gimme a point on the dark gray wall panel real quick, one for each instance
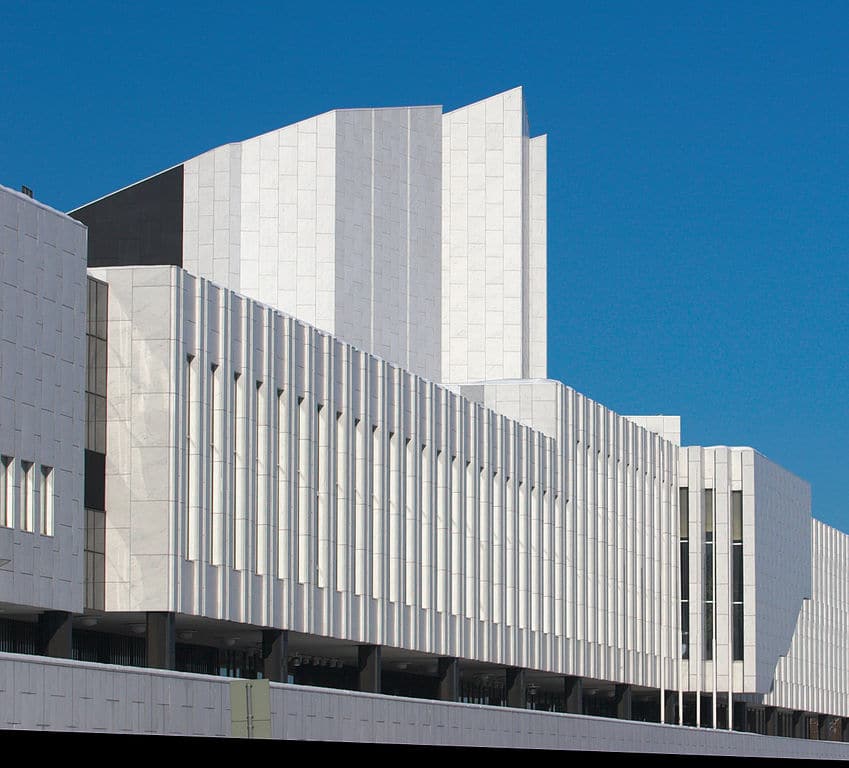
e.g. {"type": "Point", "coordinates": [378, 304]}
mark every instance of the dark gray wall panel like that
{"type": "Point", "coordinates": [141, 225]}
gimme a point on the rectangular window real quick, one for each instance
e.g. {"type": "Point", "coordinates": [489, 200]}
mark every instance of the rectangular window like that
{"type": "Point", "coordinates": [302, 499]}
{"type": "Point", "coordinates": [377, 492]}
{"type": "Point", "coordinates": [282, 496]}
{"type": "Point", "coordinates": [737, 574]}
{"type": "Point", "coordinates": [212, 469]}
{"type": "Point", "coordinates": [46, 506]}
{"type": "Point", "coordinates": [188, 497]}
{"type": "Point", "coordinates": [708, 575]}
{"type": "Point", "coordinates": [235, 539]}
{"type": "Point", "coordinates": [96, 369]}
{"type": "Point", "coordinates": [260, 478]}
{"type": "Point", "coordinates": [684, 544]}
{"type": "Point", "coordinates": [319, 532]}
{"type": "Point", "coordinates": [26, 496]}
{"type": "Point", "coordinates": [7, 504]}
{"type": "Point", "coordinates": [343, 474]}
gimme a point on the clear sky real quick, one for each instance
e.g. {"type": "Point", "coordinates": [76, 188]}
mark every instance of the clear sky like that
{"type": "Point", "coordinates": [698, 198]}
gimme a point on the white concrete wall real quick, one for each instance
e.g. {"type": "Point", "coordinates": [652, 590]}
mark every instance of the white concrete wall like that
{"type": "Point", "coordinates": [43, 293]}
{"type": "Point", "coordinates": [536, 299]}
{"type": "Point", "coordinates": [43, 694]}
{"type": "Point", "coordinates": [813, 674]}
{"type": "Point", "coordinates": [776, 565]}
{"type": "Point", "coordinates": [141, 464]}
{"type": "Point", "coordinates": [782, 561]}
{"type": "Point", "coordinates": [40, 694]}
{"type": "Point", "coordinates": [668, 427]}
{"type": "Point", "coordinates": [493, 243]}
{"type": "Point", "coordinates": [334, 220]}
{"type": "Point", "coordinates": [415, 518]}
{"type": "Point", "coordinates": [212, 217]}
{"type": "Point", "coordinates": [617, 560]}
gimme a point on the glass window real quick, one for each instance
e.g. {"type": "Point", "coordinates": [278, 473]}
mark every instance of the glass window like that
{"type": "Point", "coordinates": [683, 530]}
{"type": "Point", "coordinates": [708, 575]}
{"type": "Point", "coordinates": [737, 574]}
{"type": "Point", "coordinates": [684, 512]}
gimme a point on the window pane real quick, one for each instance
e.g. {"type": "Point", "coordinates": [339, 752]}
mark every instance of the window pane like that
{"type": "Point", "coordinates": [737, 573]}
{"type": "Point", "coordinates": [100, 367]}
{"type": "Point", "coordinates": [684, 512]}
{"type": "Point", "coordinates": [92, 305]}
{"type": "Point", "coordinates": [92, 365]}
{"type": "Point", "coordinates": [102, 294]}
{"type": "Point", "coordinates": [737, 621]}
{"type": "Point", "coordinates": [709, 572]}
{"type": "Point", "coordinates": [100, 424]}
{"type": "Point", "coordinates": [708, 631]}
{"type": "Point", "coordinates": [737, 515]}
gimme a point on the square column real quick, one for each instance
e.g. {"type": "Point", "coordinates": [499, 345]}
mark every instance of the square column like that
{"type": "Point", "coordinates": [771, 721]}
{"type": "Point", "coordinates": [161, 640]}
{"type": "Point", "coordinates": [622, 699]}
{"type": "Point", "coordinates": [799, 725]}
{"type": "Point", "coordinates": [369, 657]}
{"type": "Point", "coordinates": [448, 670]}
{"type": "Point", "coordinates": [515, 685]}
{"type": "Point", "coordinates": [54, 633]}
{"type": "Point", "coordinates": [670, 705]}
{"type": "Point", "coordinates": [740, 716]}
{"type": "Point", "coordinates": [573, 690]}
{"type": "Point", "coordinates": [275, 655]}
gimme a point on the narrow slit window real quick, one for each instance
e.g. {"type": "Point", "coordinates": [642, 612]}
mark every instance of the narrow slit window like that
{"type": "Point", "coordinates": [235, 539]}
{"type": "Point", "coordinates": [281, 498]}
{"type": "Point", "coordinates": [213, 444]}
{"type": "Point", "coordinates": [709, 576]}
{"type": "Point", "coordinates": [187, 461]}
{"type": "Point", "coordinates": [684, 539]}
{"type": "Point", "coordinates": [7, 506]}
{"type": "Point", "coordinates": [260, 478]}
{"type": "Point", "coordinates": [737, 574]}
{"type": "Point", "coordinates": [27, 496]}
{"type": "Point", "coordinates": [46, 493]}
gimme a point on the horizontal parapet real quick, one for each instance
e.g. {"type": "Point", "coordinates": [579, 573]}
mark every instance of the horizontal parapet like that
{"type": "Point", "coordinates": [668, 427]}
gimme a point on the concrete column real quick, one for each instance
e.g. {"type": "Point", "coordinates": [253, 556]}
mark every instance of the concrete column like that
{"type": "Point", "coordinates": [369, 668]}
{"type": "Point", "coordinates": [275, 655]}
{"type": "Point", "coordinates": [670, 705]}
{"type": "Point", "coordinates": [573, 691]}
{"type": "Point", "coordinates": [799, 725]}
{"type": "Point", "coordinates": [515, 685]}
{"type": "Point", "coordinates": [771, 721]}
{"type": "Point", "coordinates": [448, 670]}
{"type": "Point", "coordinates": [54, 632]}
{"type": "Point", "coordinates": [622, 698]}
{"type": "Point", "coordinates": [160, 638]}
{"type": "Point", "coordinates": [789, 723]}
{"type": "Point", "coordinates": [740, 721]}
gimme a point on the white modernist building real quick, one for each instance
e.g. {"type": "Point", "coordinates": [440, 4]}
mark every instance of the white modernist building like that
{"type": "Point", "coordinates": [321, 447]}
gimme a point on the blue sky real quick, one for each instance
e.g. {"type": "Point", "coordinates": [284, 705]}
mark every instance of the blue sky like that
{"type": "Point", "coordinates": [698, 196]}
